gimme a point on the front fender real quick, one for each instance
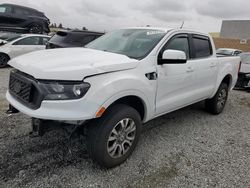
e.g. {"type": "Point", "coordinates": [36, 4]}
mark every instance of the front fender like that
{"type": "Point", "coordinates": [107, 88]}
{"type": "Point", "coordinates": [136, 93]}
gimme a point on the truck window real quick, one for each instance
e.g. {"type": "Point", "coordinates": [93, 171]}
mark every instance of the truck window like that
{"type": "Point", "coordinates": [177, 43]}
{"type": "Point", "coordinates": [202, 47]}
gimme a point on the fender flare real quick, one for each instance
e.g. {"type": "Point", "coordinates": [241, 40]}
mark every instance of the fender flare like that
{"type": "Point", "coordinates": [127, 93]}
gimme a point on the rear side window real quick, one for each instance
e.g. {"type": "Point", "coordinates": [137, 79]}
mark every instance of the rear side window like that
{"type": "Point", "coordinates": [21, 11]}
{"type": "Point", "coordinates": [28, 41]}
{"type": "Point", "coordinates": [5, 9]}
{"type": "Point", "coordinates": [202, 46]}
{"type": "Point", "coordinates": [44, 40]}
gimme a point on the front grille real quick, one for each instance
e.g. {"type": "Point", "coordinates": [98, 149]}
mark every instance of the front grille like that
{"type": "Point", "coordinates": [25, 89]}
{"type": "Point", "coordinates": [20, 88]}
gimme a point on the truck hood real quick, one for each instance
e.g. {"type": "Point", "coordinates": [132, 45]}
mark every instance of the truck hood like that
{"type": "Point", "coordinates": [71, 63]}
{"type": "Point", "coordinates": [245, 68]}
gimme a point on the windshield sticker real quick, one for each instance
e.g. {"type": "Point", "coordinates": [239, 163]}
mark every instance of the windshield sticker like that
{"type": "Point", "coordinates": [154, 32]}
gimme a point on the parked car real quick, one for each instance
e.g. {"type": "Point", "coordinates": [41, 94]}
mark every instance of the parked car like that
{"type": "Point", "coordinates": [228, 52]}
{"type": "Point", "coordinates": [19, 44]}
{"type": "Point", "coordinates": [244, 73]}
{"type": "Point", "coordinates": [22, 19]}
{"type": "Point", "coordinates": [119, 82]}
{"type": "Point", "coordinates": [72, 38]}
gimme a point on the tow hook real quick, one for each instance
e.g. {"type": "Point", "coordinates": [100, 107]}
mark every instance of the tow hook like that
{"type": "Point", "coordinates": [12, 110]}
{"type": "Point", "coordinates": [40, 127]}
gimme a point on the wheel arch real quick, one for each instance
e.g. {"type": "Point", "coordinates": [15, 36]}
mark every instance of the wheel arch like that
{"type": "Point", "coordinates": [139, 103]}
{"type": "Point", "coordinates": [228, 79]}
{"type": "Point", "coordinates": [5, 54]}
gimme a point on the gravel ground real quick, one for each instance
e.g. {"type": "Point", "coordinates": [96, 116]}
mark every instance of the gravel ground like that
{"type": "Point", "coordinates": [187, 148]}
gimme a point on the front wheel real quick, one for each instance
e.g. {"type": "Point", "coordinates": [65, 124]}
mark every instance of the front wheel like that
{"type": "Point", "coordinates": [112, 138]}
{"type": "Point", "coordinates": [218, 102]}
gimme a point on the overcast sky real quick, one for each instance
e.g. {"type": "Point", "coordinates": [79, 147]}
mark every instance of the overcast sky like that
{"type": "Point", "coordinates": [204, 15]}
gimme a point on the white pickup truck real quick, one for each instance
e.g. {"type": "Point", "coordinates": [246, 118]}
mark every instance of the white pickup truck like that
{"type": "Point", "coordinates": [121, 81]}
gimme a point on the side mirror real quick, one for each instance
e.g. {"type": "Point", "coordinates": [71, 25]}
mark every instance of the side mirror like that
{"type": "Point", "coordinates": [173, 57]}
{"type": "Point", "coordinates": [2, 42]}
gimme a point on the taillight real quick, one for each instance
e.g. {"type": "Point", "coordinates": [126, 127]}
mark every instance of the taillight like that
{"type": "Point", "coordinates": [239, 67]}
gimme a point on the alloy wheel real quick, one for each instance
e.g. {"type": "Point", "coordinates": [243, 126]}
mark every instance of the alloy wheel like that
{"type": "Point", "coordinates": [121, 138]}
{"type": "Point", "coordinates": [222, 98]}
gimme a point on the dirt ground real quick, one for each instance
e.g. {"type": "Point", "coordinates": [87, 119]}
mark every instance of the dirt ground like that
{"type": "Point", "coordinates": [186, 148]}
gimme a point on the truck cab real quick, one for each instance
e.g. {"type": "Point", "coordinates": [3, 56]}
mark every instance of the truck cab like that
{"type": "Point", "coordinates": [119, 82]}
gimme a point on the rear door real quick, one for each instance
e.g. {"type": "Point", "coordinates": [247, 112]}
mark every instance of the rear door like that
{"type": "Point", "coordinates": [26, 45]}
{"type": "Point", "coordinates": [19, 16]}
{"type": "Point", "coordinates": [175, 81]}
{"type": "Point", "coordinates": [206, 66]}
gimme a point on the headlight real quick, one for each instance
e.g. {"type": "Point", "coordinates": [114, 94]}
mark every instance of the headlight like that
{"type": "Point", "coordinates": [248, 75]}
{"type": "Point", "coordinates": [64, 90]}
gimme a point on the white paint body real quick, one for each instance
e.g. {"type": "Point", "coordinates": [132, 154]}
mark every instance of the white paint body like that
{"type": "Point", "coordinates": [113, 76]}
{"type": "Point", "coordinates": [13, 50]}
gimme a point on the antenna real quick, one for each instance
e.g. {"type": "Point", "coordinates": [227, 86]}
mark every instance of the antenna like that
{"type": "Point", "coordinates": [183, 22]}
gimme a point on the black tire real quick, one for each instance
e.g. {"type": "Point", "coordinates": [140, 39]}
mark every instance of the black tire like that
{"type": "Point", "coordinates": [36, 28]}
{"type": "Point", "coordinates": [218, 102]}
{"type": "Point", "coordinates": [100, 131]}
{"type": "Point", "coordinates": [4, 58]}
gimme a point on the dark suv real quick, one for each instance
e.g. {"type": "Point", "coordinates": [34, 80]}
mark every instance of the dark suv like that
{"type": "Point", "coordinates": [72, 38]}
{"type": "Point", "coordinates": [19, 18]}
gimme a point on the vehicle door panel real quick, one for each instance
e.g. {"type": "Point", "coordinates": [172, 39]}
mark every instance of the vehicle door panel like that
{"type": "Point", "coordinates": [175, 81]}
{"type": "Point", "coordinates": [206, 67]}
{"type": "Point", "coordinates": [174, 86]}
{"type": "Point", "coordinates": [19, 16]}
{"type": "Point", "coordinates": [26, 45]}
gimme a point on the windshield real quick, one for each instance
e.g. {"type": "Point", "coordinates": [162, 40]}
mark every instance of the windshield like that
{"type": "Point", "coordinates": [134, 43]}
{"type": "Point", "coordinates": [224, 52]}
{"type": "Point", "coordinates": [13, 38]}
{"type": "Point", "coordinates": [9, 37]}
{"type": "Point", "coordinates": [245, 58]}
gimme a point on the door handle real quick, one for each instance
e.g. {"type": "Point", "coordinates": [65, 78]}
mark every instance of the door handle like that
{"type": "Point", "coordinates": [190, 69]}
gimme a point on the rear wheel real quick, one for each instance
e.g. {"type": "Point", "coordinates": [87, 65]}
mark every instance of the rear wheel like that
{"type": "Point", "coordinates": [218, 102]}
{"type": "Point", "coordinates": [36, 29]}
{"type": "Point", "coordinates": [4, 58]}
{"type": "Point", "coordinates": [112, 138]}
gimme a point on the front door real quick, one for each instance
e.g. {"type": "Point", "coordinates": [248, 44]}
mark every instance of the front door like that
{"type": "Point", "coordinates": [175, 81]}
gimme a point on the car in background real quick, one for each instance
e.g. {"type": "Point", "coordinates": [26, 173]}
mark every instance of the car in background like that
{"type": "Point", "coordinates": [16, 18]}
{"type": "Point", "coordinates": [228, 52]}
{"type": "Point", "coordinates": [19, 44]}
{"type": "Point", "coordinates": [72, 38]}
{"type": "Point", "coordinates": [244, 73]}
